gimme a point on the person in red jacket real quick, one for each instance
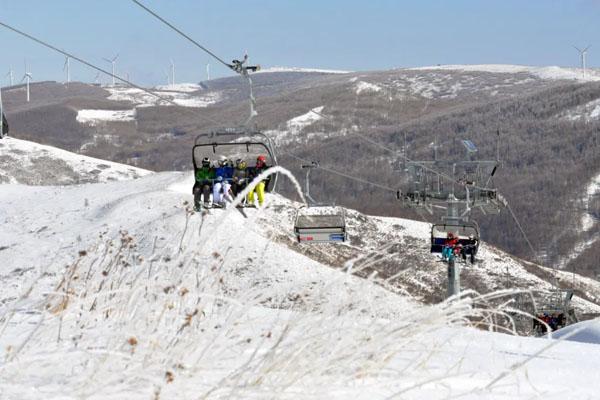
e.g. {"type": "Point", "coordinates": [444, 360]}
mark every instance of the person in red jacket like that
{"type": "Point", "coordinates": [451, 242]}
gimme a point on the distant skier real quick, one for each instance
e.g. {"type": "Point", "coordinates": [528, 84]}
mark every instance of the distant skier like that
{"type": "Point", "coordinates": [203, 183]}
{"type": "Point", "coordinates": [261, 165]}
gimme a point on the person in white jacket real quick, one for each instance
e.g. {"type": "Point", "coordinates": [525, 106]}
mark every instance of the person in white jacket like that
{"type": "Point", "coordinates": [222, 192]}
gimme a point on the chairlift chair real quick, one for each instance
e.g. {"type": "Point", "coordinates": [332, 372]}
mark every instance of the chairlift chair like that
{"type": "Point", "coordinates": [317, 222]}
{"type": "Point", "coordinates": [467, 233]}
{"type": "Point", "coordinates": [235, 143]}
{"type": "Point", "coordinates": [557, 304]}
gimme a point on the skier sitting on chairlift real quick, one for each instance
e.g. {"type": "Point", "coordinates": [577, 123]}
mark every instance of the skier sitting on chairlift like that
{"type": "Point", "coordinates": [261, 165]}
{"type": "Point", "coordinates": [451, 242]}
{"type": "Point", "coordinates": [239, 177]}
{"type": "Point", "coordinates": [222, 188]}
{"type": "Point", "coordinates": [203, 183]}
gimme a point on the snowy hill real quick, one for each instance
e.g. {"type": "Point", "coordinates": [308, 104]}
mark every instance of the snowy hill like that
{"type": "Point", "coordinates": [118, 290]}
{"type": "Point", "coordinates": [26, 162]}
{"type": "Point", "coordinates": [550, 73]}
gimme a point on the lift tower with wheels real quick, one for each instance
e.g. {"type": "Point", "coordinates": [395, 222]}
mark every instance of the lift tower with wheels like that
{"type": "Point", "coordinates": [458, 187]}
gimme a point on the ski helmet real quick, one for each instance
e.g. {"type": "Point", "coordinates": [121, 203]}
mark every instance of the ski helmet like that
{"type": "Point", "coordinates": [206, 162]}
{"type": "Point", "coordinates": [222, 161]}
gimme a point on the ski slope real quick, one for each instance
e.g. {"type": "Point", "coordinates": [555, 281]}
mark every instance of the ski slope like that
{"type": "Point", "coordinates": [22, 161]}
{"type": "Point", "coordinates": [117, 290]}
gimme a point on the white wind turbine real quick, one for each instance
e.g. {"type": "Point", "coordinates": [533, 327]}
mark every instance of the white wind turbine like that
{"type": "Point", "coordinates": [113, 63]}
{"type": "Point", "coordinates": [67, 67]}
{"type": "Point", "coordinates": [208, 72]}
{"type": "Point", "coordinates": [10, 76]}
{"type": "Point", "coordinates": [172, 73]}
{"type": "Point", "coordinates": [27, 77]}
{"type": "Point", "coordinates": [582, 54]}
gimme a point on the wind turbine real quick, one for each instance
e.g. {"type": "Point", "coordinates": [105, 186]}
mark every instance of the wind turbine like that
{"type": "Point", "coordinates": [113, 63]}
{"type": "Point", "coordinates": [582, 54]}
{"type": "Point", "coordinates": [10, 75]}
{"type": "Point", "coordinates": [172, 73]}
{"type": "Point", "coordinates": [67, 67]}
{"type": "Point", "coordinates": [27, 77]}
{"type": "Point", "coordinates": [97, 78]}
{"type": "Point", "coordinates": [208, 72]}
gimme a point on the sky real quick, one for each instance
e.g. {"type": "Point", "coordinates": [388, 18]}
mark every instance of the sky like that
{"type": "Point", "coordinates": [336, 34]}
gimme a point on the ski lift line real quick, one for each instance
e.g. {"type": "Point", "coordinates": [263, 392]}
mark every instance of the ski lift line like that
{"type": "Point", "coordinates": [397, 153]}
{"type": "Point", "coordinates": [354, 178]}
{"type": "Point", "coordinates": [521, 229]}
{"type": "Point", "coordinates": [180, 32]}
{"type": "Point", "coordinates": [89, 64]}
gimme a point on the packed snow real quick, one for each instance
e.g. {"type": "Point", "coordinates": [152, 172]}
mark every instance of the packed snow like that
{"type": "Point", "coordinates": [302, 121]}
{"type": "Point", "coordinates": [584, 332]}
{"type": "Point", "coordinates": [93, 117]}
{"type": "Point", "coordinates": [180, 87]}
{"type": "Point", "coordinates": [119, 290]}
{"type": "Point", "coordinates": [298, 69]}
{"type": "Point", "coordinates": [551, 73]}
{"type": "Point", "coordinates": [586, 112]}
{"type": "Point", "coordinates": [184, 98]}
{"type": "Point", "coordinates": [362, 86]}
{"type": "Point", "coordinates": [26, 162]}
{"type": "Point", "coordinates": [592, 190]}
{"type": "Point", "coordinates": [587, 224]}
{"type": "Point", "coordinates": [297, 125]}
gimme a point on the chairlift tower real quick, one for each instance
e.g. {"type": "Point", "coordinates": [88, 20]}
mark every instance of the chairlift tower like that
{"type": "Point", "coordinates": [458, 187]}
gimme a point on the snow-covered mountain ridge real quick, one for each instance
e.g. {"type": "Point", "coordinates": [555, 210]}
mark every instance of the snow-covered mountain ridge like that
{"type": "Point", "coordinates": [546, 72]}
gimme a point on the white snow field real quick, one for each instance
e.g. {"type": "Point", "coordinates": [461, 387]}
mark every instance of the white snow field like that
{"type": "Point", "coordinates": [181, 94]}
{"type": "Point", "coordinates": [22, 161]}
{"type": "Point", "coordinates": [362, 86]}
{"type": "Point", "coordinates": [299, 69]}
{"type": "Point", "coordinates": [93, 117]}
{"type": "Point", "coordinates": [118, 291]}
{"type": "Point", "coordinates": [550, 72]}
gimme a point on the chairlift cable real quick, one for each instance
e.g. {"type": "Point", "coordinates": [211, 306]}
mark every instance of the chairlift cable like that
{"type": "Point", "coordinates": [170, 25]}
{"type": "Point", "coordinates": [89, 64]}
{"type": "Point", "coordinates": [396, 152]}
{"type": "Point", "coordinates": [342, 174]}
{"type": "Point", "coordinates": [236, 66]}
{"type": "Point", "coordinates": [521, 229]}
{"type": "Point", "coordinates": [203, 48]}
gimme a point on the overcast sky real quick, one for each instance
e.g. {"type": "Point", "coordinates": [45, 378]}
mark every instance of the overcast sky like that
{"type": "Point", "coordinates": [336, 34]}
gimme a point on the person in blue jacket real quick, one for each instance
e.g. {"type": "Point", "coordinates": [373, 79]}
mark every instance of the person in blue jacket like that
{"type": "Point", "coordinates": [222, 186]}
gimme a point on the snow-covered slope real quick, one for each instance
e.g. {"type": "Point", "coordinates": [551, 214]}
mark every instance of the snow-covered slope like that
{"type": "Point", "coordinates": [181, 94]}
{"type": "Point", "coordinates": [26, 162]}
{"type": "Point", "coordinates": [117, 290]}
{"type": "Point", "coordinates": [299, 69]}
{"type": "Point", "coordinates": [550, 72]}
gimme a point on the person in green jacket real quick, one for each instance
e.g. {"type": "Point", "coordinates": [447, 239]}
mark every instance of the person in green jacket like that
{"type": "Point", "coordinates": [203, 183]}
